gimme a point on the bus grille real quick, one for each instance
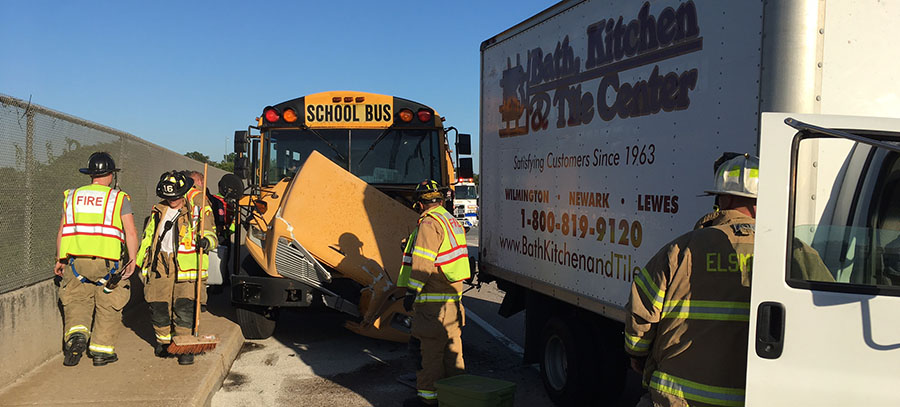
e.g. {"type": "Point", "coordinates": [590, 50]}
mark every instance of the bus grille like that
{"type": "Point", "coordinates": [293, 261]}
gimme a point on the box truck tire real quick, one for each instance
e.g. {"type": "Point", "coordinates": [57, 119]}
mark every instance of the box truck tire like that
{"type": "Point", "coordinates": [561, 362]}
{"type": "Point", "coordinates": [256, 322]}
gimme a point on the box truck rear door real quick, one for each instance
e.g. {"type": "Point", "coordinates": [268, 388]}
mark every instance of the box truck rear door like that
{"type": "Point", "coordinates": [825, 303]}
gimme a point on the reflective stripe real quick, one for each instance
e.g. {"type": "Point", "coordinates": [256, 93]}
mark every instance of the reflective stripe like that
{"type": "Point", "coordinates": [164, 338]}
{"type": "Point", "coordinates": [108, 209]}
{"type": "Point", "coordinates": [754, 173]}
{"type": "Point", "coordinates": [93, 230]}
{"type": "Point", "coordinates": [191, 275]}
{"type": "Point", "coordinates": [70, 206]}
{"type": "Point", "coordinates": [734, 171]}
{"type": "Point", "coordinates": [431, 297]}
{"type": "Point", "coordinates": [707, 310]}
{"type": "Point", "coordinates": [424, 253]}
{"type": "Point", "coordinates": [636, 343]}
{"type": "Point", "coordinates": [690, 390]}
{"type": "Point", "coordinates": [451, 255]}
{"type": "Point", "coordinates": [415, 284]}
{"type": "Point", "coordinates": [427, 394]}
{"type": "Point", "coordinates": [650, 289]}
{"type": "Point", "coordinates": [407, 260]}
{"type": "Point", "coordinates": [77, 328]}
{"type": "Point", "coordinates": [102, 348]}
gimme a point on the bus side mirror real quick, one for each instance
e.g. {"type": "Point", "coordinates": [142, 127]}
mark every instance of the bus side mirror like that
{"type": "Point", "coordinates": [242, 167]}
{"type": "Point", "coordinates": [465, 168]}
{"type": "Point", "coordinates": [464, 144]}
{"type": "Point", "coordinates": [241, 139]}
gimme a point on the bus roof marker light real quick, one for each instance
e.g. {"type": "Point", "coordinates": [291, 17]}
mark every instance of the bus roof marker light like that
{"type": "Point", "coordinates": [405, 115]}
{"type": "Point", "coordinates": [348, 99]}
{"type": "Point", "coordinates": [424, 115]}
{"type": "Point", "coordinates": [336, 99]}
{"type": "Point", "coordinates": [271, 115]}
{"type": "Point", "coordinates": [289, 115]}
{"type": "Point", "coordinates": [360, 99]}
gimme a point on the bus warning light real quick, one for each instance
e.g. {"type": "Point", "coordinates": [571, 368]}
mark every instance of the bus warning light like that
{"type": "Point", "coordinates": [289, 115]}
{"type": "Point", "coordinates": [424, 115]}
{"type": "Point", "coordinates": [406, 115]}
{"type": "Point", "coordinates": [271, 115]}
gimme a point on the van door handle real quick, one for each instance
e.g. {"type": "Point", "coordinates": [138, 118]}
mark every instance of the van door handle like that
{"type": "Point", "coordinates": [769, 330]}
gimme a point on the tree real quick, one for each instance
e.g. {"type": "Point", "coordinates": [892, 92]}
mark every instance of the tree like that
{"type": "Point", "coordinates": [227, 162]}
{"type": "Point", "coordinates": [196, 155]}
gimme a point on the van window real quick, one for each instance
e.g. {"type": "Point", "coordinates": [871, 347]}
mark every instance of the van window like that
{"type": "Point", "coordinates": [845, 231]}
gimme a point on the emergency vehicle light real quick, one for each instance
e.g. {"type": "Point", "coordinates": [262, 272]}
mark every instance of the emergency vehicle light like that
{"type": "Point", "coordinates": [289, 115]}
{"type": "Point", "coordinates": [405, 115]}
{"type": "Point", "coordinates": [424, 115]}
{"type": "Point", "coordinates": [271, 115]}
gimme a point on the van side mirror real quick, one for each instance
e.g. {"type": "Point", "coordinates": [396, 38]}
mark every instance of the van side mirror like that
{"type": "Point", "coordinates": [241, 140]}
{"type": "Point", "coordinates": [464, 144]}
{"type": "Point", "coordinates": [465, 169]}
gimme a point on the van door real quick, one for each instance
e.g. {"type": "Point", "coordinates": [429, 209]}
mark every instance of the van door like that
{"type": "Point", "coordinates": [825, 302]}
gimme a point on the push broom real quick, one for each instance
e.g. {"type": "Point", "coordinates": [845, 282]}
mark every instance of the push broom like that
{"type": "Point", "coordinates": [196, 343]}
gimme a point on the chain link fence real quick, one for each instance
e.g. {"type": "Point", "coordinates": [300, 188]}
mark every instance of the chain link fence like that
{"type": "Point", "coordinates": [41, 151]}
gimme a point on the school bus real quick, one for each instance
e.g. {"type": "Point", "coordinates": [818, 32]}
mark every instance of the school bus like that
{"type": "Point", "coordinates": [328, 181]}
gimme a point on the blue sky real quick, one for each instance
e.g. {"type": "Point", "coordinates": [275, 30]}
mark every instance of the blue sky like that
{"type": "Point", "coordinates": [186, 74]}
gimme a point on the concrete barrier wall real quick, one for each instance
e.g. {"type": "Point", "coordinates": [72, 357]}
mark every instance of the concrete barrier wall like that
{"type": "Point", "coordinates": [41, 151]}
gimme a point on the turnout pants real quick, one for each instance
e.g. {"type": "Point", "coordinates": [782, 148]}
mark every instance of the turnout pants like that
{"type": "Point", "coordinates": [87, 309]}
{"type": "Point", "coordinates": [171, 301]}
{"type": "Point", "coordinates": [437, 326]}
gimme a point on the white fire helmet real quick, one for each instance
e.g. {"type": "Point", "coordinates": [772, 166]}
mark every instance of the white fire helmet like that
{"type": "Point", "coordinates": [738, 175]}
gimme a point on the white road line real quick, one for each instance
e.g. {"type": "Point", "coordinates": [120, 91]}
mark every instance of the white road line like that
{"type": "Point", "coordinates": [495, 333]}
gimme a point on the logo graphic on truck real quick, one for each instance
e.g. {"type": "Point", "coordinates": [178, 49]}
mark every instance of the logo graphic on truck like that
{"type": "Point", "coordinates": [613, 45]}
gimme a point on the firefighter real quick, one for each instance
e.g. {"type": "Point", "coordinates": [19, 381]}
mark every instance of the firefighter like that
{"type": "Point", "coordinates": [168, 258]}
{"type": "Point", "coordinates": [435, 262]}
{"type": "Point", "coordinates": [687, 324]}
{"type": "Point", "coordinates": [96, 221]}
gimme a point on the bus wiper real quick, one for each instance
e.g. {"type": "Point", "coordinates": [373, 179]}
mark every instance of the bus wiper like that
{"type": "Point", "coordinates": [333, 148]}
{"type": "Point", "coordinates": [375, 143]}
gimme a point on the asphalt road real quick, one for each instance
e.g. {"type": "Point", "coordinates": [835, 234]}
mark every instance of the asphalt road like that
{"type": "Point", "coordinates": [312, 360]}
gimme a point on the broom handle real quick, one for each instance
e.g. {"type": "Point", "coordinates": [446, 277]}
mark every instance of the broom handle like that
{"type": "Point", "coordinates": [200, 255]}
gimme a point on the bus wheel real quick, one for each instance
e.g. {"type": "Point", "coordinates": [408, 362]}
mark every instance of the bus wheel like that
{"type": "Point", "coordinates": [560, 362]}
{"type": "Point", "coordinates": [256, 322]}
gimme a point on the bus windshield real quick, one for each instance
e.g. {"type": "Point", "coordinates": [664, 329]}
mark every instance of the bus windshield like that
{"type": "Point", "coordinates": [377, 156]}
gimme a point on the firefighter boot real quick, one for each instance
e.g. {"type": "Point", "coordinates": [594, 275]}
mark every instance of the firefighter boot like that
{"type": "Point", "coordinates": [75, 347]}
{"type": "Point", "coordinates": [186, 359]}
{"type": "Point", "coordinates": [162, 350]}
{"type": "Point", "coordinates": [103, 359]}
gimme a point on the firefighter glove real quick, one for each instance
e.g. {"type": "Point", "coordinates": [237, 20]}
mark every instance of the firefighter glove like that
{"type": "Point", "coordinates": [409, 299]}
{"type": "Point", "coordinates": [204, 244]}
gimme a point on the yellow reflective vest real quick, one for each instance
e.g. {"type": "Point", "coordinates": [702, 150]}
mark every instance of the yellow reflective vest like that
{"type": "Point", "coordinates": [93, 222]}
{"type": "Point", "coordinates": [451, 258]}
{"type": "Point", "coordinates": [186, 224]}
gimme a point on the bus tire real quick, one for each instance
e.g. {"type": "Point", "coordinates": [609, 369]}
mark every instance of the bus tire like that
{"type": "Point", "coordinates": [256, 322]}
{"type": "Point", "coordinates": [561, 361]}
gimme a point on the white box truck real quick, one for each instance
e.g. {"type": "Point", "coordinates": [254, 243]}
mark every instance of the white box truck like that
{"type": "Point", "coordinates": [600, 121]}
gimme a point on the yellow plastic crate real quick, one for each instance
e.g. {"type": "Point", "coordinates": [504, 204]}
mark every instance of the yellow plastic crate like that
{"type": "Point", "coordinates": [474, 391]}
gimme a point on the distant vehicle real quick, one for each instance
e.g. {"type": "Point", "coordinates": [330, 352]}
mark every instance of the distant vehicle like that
{"type": "Point", "coordinates": [331, 179]}
{"type": "Point", "coordinates": [600, 121]}
{"type": "Point", "coordinates": [465, 202]}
